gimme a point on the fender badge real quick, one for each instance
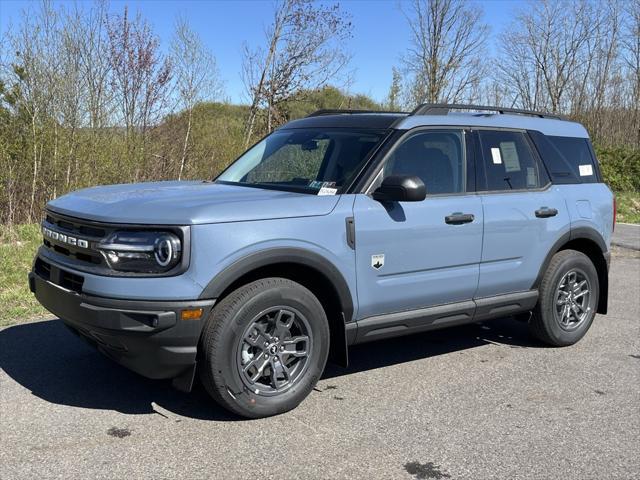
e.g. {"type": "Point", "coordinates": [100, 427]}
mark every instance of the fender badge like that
{"type": "Point", "coordinates": [377, 261]}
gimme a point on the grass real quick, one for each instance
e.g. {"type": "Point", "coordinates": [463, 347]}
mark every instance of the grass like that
{"type": "Point", "coordinates": [17, 249]}
{"type": "Point", "coordinates": [628, 204]}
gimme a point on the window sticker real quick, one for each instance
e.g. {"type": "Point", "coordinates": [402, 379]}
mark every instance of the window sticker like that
{"type": "Point", "coordinates": [495, 155]}
{"type": "Point", "coordinates": [328, 188]}
{"type": "Point", "coordinates": [327, 191]}
{"type": "Point", "coordinates": [532, 180]}
{"type": "Point", "coordinates": [510, 156]}
{"type": "Point", "coordinates": [315, 184]}
{"type": "Point", "coordinates": [585, 170]}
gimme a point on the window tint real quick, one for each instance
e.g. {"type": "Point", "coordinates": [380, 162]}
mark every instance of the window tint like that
{"type": "Point", "coordinates": [435, 156]}
{"type": "Point", "coordinates": [574, 153]}
{"type": "Point", "coordinates": [509, 163]}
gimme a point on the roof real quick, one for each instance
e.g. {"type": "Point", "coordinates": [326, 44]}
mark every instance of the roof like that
{"type": "Point", "coordinates": [348, 120]}
{"type": "Point", "coordinates": [440, 115]}
{"type": "Point", "coordinates": [548, 126]}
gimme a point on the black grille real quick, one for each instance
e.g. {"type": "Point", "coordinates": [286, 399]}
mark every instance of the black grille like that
{"type": "Point", "coordinates": [43, 269]}
{"type": "Point", "coordinates": [71, 281]}
{"type": "Point", "coordinates": [77, 229]}
{"type": "Point", "coordinates": [65, 279]}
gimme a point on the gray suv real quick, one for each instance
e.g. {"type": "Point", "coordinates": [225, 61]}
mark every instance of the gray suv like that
{"type": "Point", "coordinates": [336, 229]}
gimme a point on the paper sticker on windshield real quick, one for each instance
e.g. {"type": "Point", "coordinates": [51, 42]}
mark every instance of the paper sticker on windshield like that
{"type": "Point", "coordinates": [495, 155]}
{"type": "Point", "coordinates": [327, 191]}
{"type": "Point", "coordinates": [585, 170]}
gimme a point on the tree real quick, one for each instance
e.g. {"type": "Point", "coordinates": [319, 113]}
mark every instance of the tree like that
{"type": "Point", "coordinates": [304, 51]}
{"type": "Point", "coordinates": [395, 90]}
{"type": "Point", "coordinates": [543, 50]}
{"type": "Point", "coordinates": [631, 57]}
{"type": "Point", "coordinates": [196, 77]}
{"type": "Point", "coordinates": [140, 76]}
{"type": "Point", "coordinates": [444, 60]}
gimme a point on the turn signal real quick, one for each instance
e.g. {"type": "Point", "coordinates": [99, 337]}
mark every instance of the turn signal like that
{"type": "Point", "coordinates": [191, 314]}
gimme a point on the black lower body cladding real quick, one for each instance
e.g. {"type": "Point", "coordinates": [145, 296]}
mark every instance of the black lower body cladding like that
{"type": "Point", "coordinates": [147, 337]}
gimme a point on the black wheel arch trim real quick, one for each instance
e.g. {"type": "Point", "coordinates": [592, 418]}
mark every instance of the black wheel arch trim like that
{"type": "Point", "coordinates": [273, 256]}
{"type": "Point", "coordinates": [586, 233]}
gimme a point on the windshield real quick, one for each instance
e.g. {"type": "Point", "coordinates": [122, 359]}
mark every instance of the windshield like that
{"type": "Point", "coordinates": [312, 161]}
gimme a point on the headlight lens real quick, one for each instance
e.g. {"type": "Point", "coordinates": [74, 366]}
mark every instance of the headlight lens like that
{"type": "Point", "coordinates": [142, 252]}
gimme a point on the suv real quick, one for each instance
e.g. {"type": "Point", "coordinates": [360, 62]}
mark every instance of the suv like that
{"type": "Point", "coordinates": [336, 229]}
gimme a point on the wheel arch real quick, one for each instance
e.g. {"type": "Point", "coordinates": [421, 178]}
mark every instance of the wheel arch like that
{"type": "Point", "coordinates": [308, 268]}
{"type": "Point", "coordinates": [592, 244]}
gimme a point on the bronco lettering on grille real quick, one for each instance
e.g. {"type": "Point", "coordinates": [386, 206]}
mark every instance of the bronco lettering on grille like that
{"type": "Point", "coordinates": [63, 238]}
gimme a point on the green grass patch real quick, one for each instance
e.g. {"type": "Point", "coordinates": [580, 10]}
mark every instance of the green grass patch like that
{"type": "Point", "coordinates": [17, 248]}
{"type": "Point", "coordinates": [628, 204]}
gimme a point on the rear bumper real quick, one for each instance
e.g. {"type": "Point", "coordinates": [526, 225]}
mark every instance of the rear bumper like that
{"type": "Point", "coordinates": [147, 337]}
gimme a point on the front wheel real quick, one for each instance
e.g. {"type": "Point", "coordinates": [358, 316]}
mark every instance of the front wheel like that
{"type": "Point", "coordinates": [264, 347]}
{"type": "Point", "coordinates": [567, 301]}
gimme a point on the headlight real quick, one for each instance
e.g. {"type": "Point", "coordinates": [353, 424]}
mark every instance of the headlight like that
{"type": "Point", "coordinates": [142, 252]}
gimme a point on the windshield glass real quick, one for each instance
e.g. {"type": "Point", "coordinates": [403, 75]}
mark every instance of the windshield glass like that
{"type": "Point", "coordinates": [305, 160]}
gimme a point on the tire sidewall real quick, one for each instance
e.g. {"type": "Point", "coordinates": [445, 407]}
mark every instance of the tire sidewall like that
{"type": "Point", "coordinates": [225, 365]}
{"type": "Point", "coordinates": [579, 261]}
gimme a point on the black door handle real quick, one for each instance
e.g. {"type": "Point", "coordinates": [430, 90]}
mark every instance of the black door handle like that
{"type": "Point", "coordinates": [546, 212]}
{"type": "Point", "coordinates": [459, 218]}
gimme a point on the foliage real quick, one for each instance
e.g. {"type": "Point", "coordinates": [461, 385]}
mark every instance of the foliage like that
{"type": "Point", "coordinates": [17, 249]}
{"type": "Point", "coordinates": [628, 207]}
{"type": "Point", "coordinates": [620, 168]}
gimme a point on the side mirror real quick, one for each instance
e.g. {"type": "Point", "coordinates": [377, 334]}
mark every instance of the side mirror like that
{"type": "Point", "coordinates": [400, 188]}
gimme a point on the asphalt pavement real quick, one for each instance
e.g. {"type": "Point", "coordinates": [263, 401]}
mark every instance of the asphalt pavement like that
{"type": "Point", "coordinates": [476, 402]}
{"type": "Point", "coordinates": [626, 235]}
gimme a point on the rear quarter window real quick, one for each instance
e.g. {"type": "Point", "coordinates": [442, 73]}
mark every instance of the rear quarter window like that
{"type": "Point", "coordinates": [568, 159]}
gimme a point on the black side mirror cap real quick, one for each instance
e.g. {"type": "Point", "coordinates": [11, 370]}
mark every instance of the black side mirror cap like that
{"type": "Point", "coordinates": [400, 188]}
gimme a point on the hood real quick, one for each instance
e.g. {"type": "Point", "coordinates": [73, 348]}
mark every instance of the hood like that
{"type": "Point", "coordinates": [187, 203]}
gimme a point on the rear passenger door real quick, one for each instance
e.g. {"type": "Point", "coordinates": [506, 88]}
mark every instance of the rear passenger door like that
{"type": "Point", "coordinates": [524, 214]}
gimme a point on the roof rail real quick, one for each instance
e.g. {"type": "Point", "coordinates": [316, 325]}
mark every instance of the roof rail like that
{"type": "Point", "coordinates": [444, 108]}
{"type": "Point", "coordinates": [326, 111]}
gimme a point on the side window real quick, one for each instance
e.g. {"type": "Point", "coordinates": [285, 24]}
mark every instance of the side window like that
{"type": "Point", "coordinates": [435, 156]}
{"type": "Point", "coordinates": [575, 153]}
{"type": "Point", "coordinates": [509, 163]}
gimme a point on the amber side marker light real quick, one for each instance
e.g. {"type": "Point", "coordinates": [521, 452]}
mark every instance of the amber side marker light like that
{"type": "Point", "coordinates": [191, 314]}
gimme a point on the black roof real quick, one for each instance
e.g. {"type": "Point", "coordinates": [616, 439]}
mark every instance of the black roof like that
{"type": "Point", "coordinates": [347, 120]}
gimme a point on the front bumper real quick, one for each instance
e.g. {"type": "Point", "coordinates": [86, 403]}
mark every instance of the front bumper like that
{"type": "Point", "coordinates": [147, 337]}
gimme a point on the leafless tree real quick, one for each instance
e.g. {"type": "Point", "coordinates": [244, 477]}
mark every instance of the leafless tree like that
{"type": "Point", "coordinates": [304, 51]}
{"type": "Point", "coordinates": [139, 73]}
{"type": "Point", "coordinates": [444, 61]}
{"type": "Point", "coordinates": [631, 57]}
{"type": "Point", "coordinates": [544, 49]}
{"type": "Point", "coordinates": [196, 77]}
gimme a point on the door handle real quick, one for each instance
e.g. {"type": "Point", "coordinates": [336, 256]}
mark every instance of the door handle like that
{"type": "Point", "coordinates": [459, 218]}
{"type": "Point", "coordinates": [546, 212]}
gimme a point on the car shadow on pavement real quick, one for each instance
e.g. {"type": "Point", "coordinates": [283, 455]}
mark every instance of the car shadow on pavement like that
{"type": "Point", "coordinates": [504, 331]}
{"type": "Point", "coordinates": [45, 358]}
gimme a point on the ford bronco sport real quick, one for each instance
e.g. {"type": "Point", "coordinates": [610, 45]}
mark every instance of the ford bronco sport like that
{"type": "Point", "coordinates": [336, 229]}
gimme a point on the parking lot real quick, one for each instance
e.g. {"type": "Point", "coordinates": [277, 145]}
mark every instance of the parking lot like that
{"type": "Point", "coordinates": [476, 402]}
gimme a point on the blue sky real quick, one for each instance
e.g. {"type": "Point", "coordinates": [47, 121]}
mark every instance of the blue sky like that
{"type": "Point", "coordinates": [380, 33]}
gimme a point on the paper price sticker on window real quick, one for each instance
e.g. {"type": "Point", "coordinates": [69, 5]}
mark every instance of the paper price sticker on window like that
{"type": "Point", "coordinates": [585, 170]}
{"type": "Point", "coordinates": [495, 155]}
{"type": "Point", "coordinates": [327, 191]}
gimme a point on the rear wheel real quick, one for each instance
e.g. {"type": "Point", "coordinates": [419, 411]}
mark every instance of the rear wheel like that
{"type": "Point", "coordinates": [264, 347]}
{"type": "Point", "coordinates": [568, 299]}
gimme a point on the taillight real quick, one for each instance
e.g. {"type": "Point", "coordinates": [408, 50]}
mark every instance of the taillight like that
{"type": "Point", "coordinates": [615, 214]}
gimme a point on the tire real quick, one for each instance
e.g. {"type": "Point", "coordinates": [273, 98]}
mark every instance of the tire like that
{"type": "Point", "coordinates": [561, 319]}
{"type": "Point", "coordinates": [246, 348]}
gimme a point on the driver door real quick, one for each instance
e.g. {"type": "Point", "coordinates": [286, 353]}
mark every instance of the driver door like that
{"type": "Point", "coordinates": [409, 255]}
